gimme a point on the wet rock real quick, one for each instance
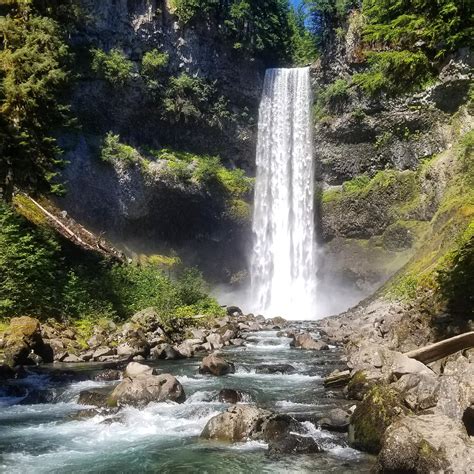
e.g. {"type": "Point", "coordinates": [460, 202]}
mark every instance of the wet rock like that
{"type": "Point", "coordinates": [165, 351]}
{"type": "Point", "coordinates": [237, 423]}
{"type": "Point", "coordinates": [145, 388]}
{"type": "Point", "coordinates": [284, 434]}
{"type": "Point", "coordinates": [229, 395]}
{"type": "Point", "coordinates": [234, 311]}
{"type": "Point", "coordinates": [23, 336]}
{"type": "Point", "coordinates": [108, 375]}
{"type": "Point", "coordinates": [215, 365]}
{"type": "Point", "coordinates": [134, 369]}
{"type": "Point", "coordinates": [306, 341]}
{"type": "Point", "coordinates": [237, 342]}
{"type": "Point", "coordinates": [95, 396]}
{"type": "Point", "coordinates": [275, 369]}
{"type": "Point", "coordinates": [426, 443]}
{"type": "Point", "coordinates": [336, 419]}
{"type": "Point", "coordinates": [72, 359]}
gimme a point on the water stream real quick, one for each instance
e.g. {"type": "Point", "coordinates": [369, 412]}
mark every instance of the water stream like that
{"type": "Point", "coordinates": [283, 269]}
{"type": "Point", "coordinates": [164, 437]}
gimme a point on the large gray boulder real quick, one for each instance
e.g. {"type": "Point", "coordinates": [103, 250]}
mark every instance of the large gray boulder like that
{"type": "Point", "coordinates": [238, 423]}
{"type": "Point", "coordinates": [426, 443]}
{"type": "Point", "coordinates": [134, 369]}
{"type": "Point", "coordinates": [143, 389]}
{"type": "Point", "coordinates": [216, 365]}
{"type": "Point", "coordinates": [306, 341]}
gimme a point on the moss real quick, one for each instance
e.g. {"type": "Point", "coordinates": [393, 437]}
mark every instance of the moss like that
{"type": "Point", "coordinates": [28, 209]}
{"type": "Point", "coordinates": [330, 195]}
{"type": "Point", "coordinates": [4, 324]}
{"type": "Point", "coordinates": [379, 408]}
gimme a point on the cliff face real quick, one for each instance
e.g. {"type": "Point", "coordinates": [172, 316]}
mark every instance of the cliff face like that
{"type": "Point", "coordinates": [378, 192]}
{"type": "Point", "coordinates": [197, 50]}
{"type": "Point", "coordinates": [147, 212]}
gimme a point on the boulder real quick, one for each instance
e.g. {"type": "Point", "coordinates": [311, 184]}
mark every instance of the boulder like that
{"type": "Point", "coordinates": [23, 336]}
{"type": "Point", "coordinates": [426, 443]}
{"type": "Point", "coordinates": [185, 349]}
{"type": "Point", "coordinates": [234, 311]}
{"type": "Point", "coordinates": [215, 365]}
{"type": "Point", "coordinates": [146, 388]}
{"type": "Point", "coordinates": [284, 434]}
{"type": "Point", "coordinates": [72, 359]}
{"type": "Point", "coordinates": [336, 419]}
{"type": "Point", "coordinates": [238, 423]}
{"type": "Point", "coordinates": [215, 340]}
{"type": "Point", "coordinates": [229, 395]}
{"type": "Point", "coordinates": [379, 408]}
{"type": "Point", "coordinates": [95, 396]}
{"type": "Point", "coordinates": [165, 351]}
{"type": "Point", "coordinates": [108, 375]}
{"type": "Point", "coordinates": [275, 369]}
{"type": "Point", "coordinates": [148, 319]}
{"type": "Point", "coordinates": [306, 341]}
{"type": "Point", "coordinates": [237, 342]}
{"type": "Point", "coordinates": [134, 369]}
{"type": "Point", "coordinates": [133, 347]}
{"type": "Point", "coordinates": [103, 351]}
{"type": "Point", "coordinates": [419, 391]}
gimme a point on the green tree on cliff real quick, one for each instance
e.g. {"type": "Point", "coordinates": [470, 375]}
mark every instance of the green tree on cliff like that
{"type": "Point", "coordinates": [33, 58]}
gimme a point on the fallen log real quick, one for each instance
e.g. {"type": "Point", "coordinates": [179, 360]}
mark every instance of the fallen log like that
{"type": "Point", "coordinates": [337, 379]}
{"type": "Point", "coordinates": [442, 349]}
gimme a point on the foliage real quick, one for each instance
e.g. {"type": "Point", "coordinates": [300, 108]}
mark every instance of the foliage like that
{"type": "Point", "coordinates": [153, 62]}
{"type": "Point", "coordinates": [189, 99]}
{"type": "Point", "coordinates": [113, 66]}
{"type": "Point", "coordinates": [260, 28]}
{"type": "Point", "coordinates": [152, 69]}
{"type": "Point", "coordinates": [114, 151]}
{"type": "Point", "coordinates": [33, 71]}
{"type": "Point", "coordinates": [304, 50]}
{"type": "Point", "coordinates": [29, 265]}
{"type": "Point", "coordinates": [393, 72]}
{"type": "Point", "coordinates": [43, 276]}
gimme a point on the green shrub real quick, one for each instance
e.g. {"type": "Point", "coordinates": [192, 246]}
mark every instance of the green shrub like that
{"type": "Point", "coordinates": [113, 66]}
{"type": "Point", "coordinates": [153, 62]}
{"type": "Point", "coordinates": [393, 72]}
{"type": "Point", "coordinates": [114, 151]}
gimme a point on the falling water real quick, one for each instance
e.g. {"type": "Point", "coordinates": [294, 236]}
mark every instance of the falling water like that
{"type": "Point", "coordinates": [283, 270]}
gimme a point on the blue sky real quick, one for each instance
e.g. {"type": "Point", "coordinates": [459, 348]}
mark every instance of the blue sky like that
{"type": "Point", "coordinates": [295, 2]}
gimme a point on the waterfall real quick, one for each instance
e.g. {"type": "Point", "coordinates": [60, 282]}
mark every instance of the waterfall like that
{"type": "Point", "coordinates": [283, 267]}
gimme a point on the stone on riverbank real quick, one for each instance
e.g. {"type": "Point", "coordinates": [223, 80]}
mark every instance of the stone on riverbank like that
{"type": "Point", "coordinates": [23, 337]}
{"type": "Point", "coordinates": [215, 365]}
{"type": "Point", "coordinates": [238, 423]}
{"type": "Point", "coordinates": [379, 408]}
{"type": "Point", "coordinates": [306, 341]}
{"type": "Point", "coordinates": [146, 388]}
{"type": "Point", "coordinates": [426, 443]}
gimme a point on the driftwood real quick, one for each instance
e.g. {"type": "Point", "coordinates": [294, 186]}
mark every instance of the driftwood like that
{"type": "Point", "coordinates": [338, 379]}
{"type": "Point", "coordinates": [441, 349]}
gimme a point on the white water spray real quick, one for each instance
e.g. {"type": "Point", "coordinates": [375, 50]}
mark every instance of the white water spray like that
{"type": "Point", "coordinates": [283, 270]}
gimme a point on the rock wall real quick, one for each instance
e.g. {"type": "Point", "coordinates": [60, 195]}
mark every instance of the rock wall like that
{"type": "Point", "coordinates": [361, 141]}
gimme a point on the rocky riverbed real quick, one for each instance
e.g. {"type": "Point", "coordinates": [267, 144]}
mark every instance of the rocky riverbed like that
{"type": "Point", "coordinates": [238, 394]}
{"type": "Point", "coordinates": [258, 405]}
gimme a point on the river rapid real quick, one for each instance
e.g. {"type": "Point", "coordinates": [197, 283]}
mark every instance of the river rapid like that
{"type": "Point", "coordinates": [39, 432]}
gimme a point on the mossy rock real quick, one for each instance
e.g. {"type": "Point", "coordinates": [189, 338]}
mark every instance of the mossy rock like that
{"type": "Point", "coordinates": [358, 386]}
{"type": "Point", "coordinates": [379, 408]}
